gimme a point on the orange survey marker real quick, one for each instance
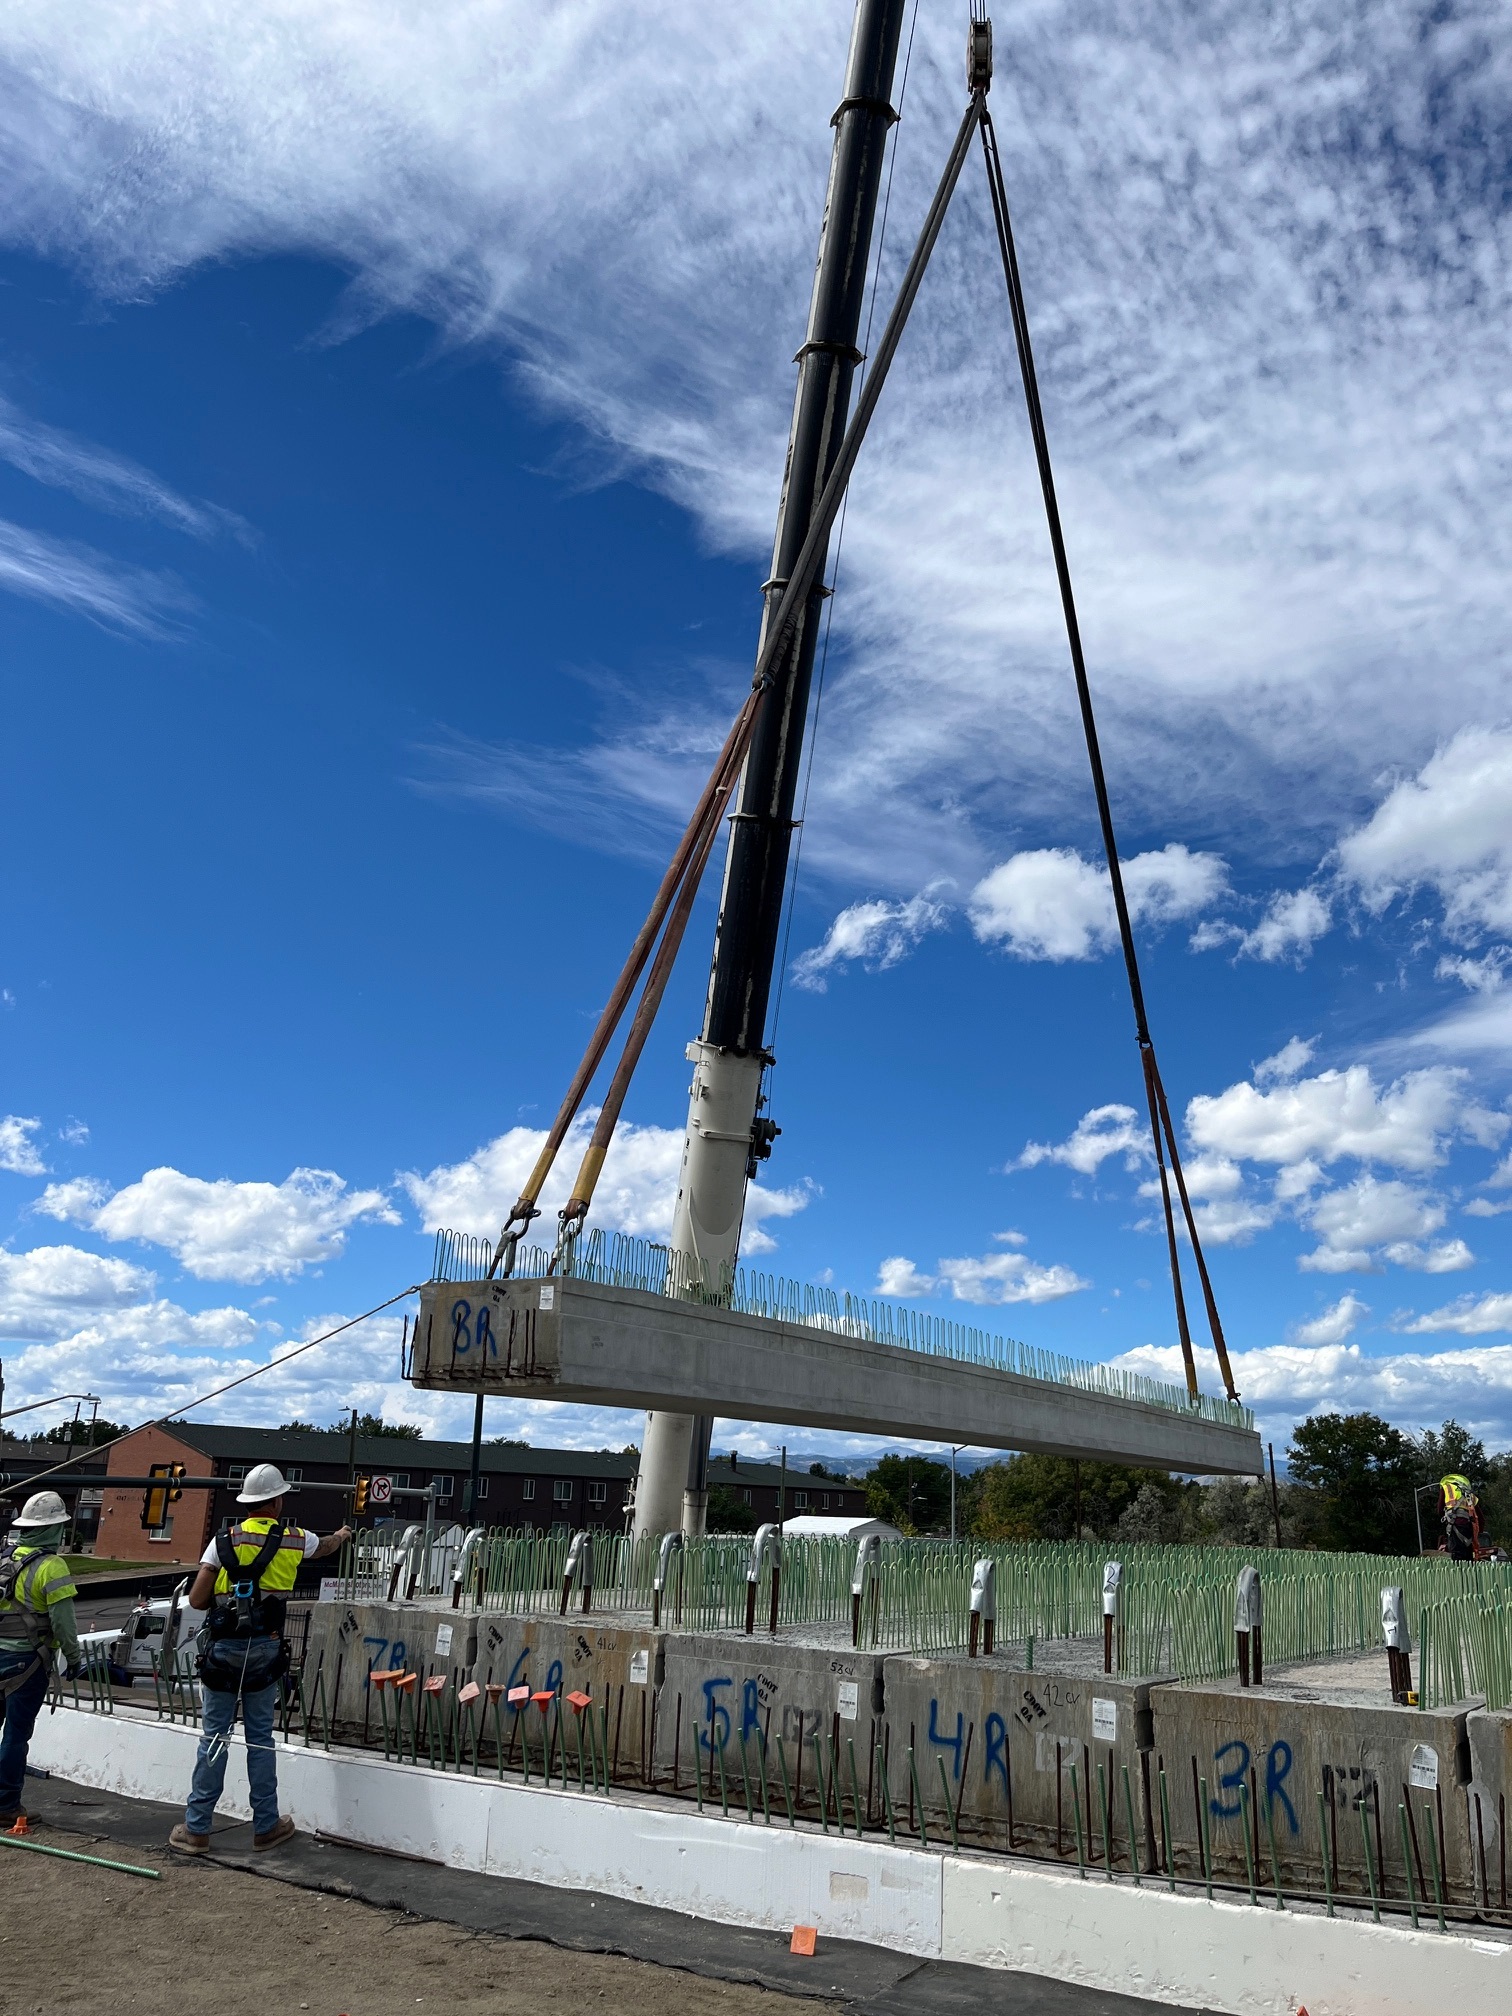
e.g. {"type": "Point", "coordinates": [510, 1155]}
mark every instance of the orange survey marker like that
{"type": "Point", "coordinates": [518, 1696]}
{"type": "Point", "coordinates": [21, 1827]}
{"type": "Point", "coordinates": [436, 1684]}
{"type": "Point", "coordinates": [543, 1698]}
{"type": "Point", "coordinates": [468, 1694]}
{"type": "Point", "coordinates": [803, 1940]}
{"type": "Point", "coordinates": [580, 1701]}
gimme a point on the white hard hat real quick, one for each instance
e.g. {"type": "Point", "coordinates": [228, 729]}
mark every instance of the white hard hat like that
{"type": "Point", "coordinates": [43, 1508]}
{"type": "Point", "coordinates": [262, 1481]}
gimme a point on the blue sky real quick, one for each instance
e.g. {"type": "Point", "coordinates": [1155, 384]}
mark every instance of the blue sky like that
{"type": "Point", "coordinates": [391, 420]}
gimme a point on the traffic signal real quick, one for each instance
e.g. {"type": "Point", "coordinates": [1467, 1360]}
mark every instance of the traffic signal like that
{"type": "Point", "coordinates": [155, 1498]}
{"type": "Point", "coordinates": [360, 1496]}
{"type": "Point", "coordinates": [158, 1497]}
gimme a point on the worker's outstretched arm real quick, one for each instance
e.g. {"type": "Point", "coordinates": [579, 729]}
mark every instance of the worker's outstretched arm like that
{"type": "Point", "coordinates": [332, 1543]}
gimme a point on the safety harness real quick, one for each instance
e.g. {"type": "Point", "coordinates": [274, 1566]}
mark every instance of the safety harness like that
{"type": "Point", "coordinates": [245, 1612]}
{"type": "Point", "coordinates": [34, 1632]}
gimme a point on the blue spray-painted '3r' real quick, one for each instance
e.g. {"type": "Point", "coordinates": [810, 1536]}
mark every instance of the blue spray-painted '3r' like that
{"type": "Point", "coordinates": [1278, 1764]}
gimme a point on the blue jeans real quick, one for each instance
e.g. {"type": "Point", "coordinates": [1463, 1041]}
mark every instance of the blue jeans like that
{"type": "Point", "coordinates": [18, 1717]}
{"type": "Point", "coordinates": [259, 1712]}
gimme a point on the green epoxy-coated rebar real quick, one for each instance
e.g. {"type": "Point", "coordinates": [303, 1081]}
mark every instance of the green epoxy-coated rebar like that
{"type": "Point", "coordinates": [1165, 1830]}
{"type": "Point", "coordinates": [787, 1790]}
{"type": "Point", "coordinates": [745, 1779]}
{"type": "Point", "coordinates": [1207, 1839]}
{"type": "Point", "coordinates": [1433, 1856]}
{"type": "Point", "coordinates": [819, 1775]}
{"type": "Point", "coordinates": [1270, 1830]}
{"type": "Point", "coordinates": [1133, 1849]}
{"type": "Point", "coordinates": [913, 1775]}
{"type": "Point", "coordinates": [1081, 1851]}
{"type": "Point", "coordinates": [1370, 1869]}
{"type": "Point", "coordinates": [697, 1762]}
{"type": "Point", "coordinates": [724, 1790]}
{"type": "Point", "coordinates": [1249, 1852]}
{"type": "Point", "coordinates": [71, 1855]}
{"type": "Point", "coordinates": [1412, 1903]}
{"type": "Point", "coordinates": [949, 1805]}
{"type": "Point", "coordinates": [887, 1810]}
{"type": "Point", "coordinates": [1327, 1862]}
{"type": "Point", "coordinates": [1102, 1815]}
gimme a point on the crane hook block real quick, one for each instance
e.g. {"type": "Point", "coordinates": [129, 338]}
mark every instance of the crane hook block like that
{"type": "Point", "coordinates": [979, 54]}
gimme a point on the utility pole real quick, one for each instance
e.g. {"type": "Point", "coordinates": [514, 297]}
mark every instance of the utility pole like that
{"type": "Point", "coordinates": [725, 1138]}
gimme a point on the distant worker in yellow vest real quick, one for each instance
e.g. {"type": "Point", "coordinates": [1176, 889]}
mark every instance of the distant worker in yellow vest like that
{"type": "Point", "coordinates": [244, 1580]}
{"type": "Point", "coordinates": [1459, 1513]}
{"type": "Point", "coordinates": [36, 1622]}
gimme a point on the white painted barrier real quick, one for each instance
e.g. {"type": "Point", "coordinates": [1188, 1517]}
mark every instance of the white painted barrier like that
{"type": "Point", "coordinates": [993, 1913]}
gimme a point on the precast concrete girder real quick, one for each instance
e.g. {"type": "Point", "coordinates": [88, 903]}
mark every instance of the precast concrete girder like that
{"type": "Point", "coordinates": [603, 1346]}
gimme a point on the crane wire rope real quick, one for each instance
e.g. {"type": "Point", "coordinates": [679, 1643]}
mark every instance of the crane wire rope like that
{"type": "Point", "coordinates": [1160, 1114]}
{"type": "Point", "coordinates": [829, 613]}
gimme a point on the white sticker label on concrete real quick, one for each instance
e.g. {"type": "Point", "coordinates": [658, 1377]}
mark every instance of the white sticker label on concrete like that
{"type": "Point", "coordinates": [1423, 1770]}
{"type": "Point", "coordinates": [443, 1641]}
{"type": "Point", "coordinates": [328, 1588]}
{"type": "Point", "coordinates": [846, 1696]}
{"type": "Point", "coordinates": [1104, 1720]}
{"type": "Point", "coordinates": [548, 1298]}
{"type": "Point", "coordinates": [640, 1668]}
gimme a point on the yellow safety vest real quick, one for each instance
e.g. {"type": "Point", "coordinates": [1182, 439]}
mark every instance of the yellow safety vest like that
{"type": "Point", "coordinates": [247, 1537]}
{"type": "Point", "coordinates": [41, 1581]}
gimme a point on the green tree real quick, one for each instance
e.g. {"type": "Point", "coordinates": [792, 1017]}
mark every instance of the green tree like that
{"type": "Point", "coordinates": [912, 1492]}
{"type": "Point", "coordinates": [1449, 1449]}
{"type": "Point", "coordinates": [1053, 1498]}
{"type": "Point", "coordinates": [729, 1512]}
{"type": "Point", "coordinates": [84, 1434]}
{"type": "Point", "coordinates": [1360, 1472]}
{"type": "Point", "coordinates": [372, 1425]}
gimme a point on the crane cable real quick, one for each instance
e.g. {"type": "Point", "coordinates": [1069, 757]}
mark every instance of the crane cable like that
{"type": "Point", "coordinates": [1160, 1112]}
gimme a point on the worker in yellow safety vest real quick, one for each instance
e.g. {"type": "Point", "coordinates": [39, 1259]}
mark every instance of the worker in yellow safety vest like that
{"type": "Point", "coordinates": [36, 1623]}
{"type": "Point", "coordinates": [244, 1580]}
{"type": "Point", "coordinates": [1459, 1514]}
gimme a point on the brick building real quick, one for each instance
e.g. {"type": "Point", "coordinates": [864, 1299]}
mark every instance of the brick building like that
{"type": "Point", "coordinates": [519, 1487]}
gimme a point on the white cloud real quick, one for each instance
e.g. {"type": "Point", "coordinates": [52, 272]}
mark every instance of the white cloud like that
{"type": "Point", "coordinates": [878, 933]}
{"type": "Point", "coordinates": [1292, 924]}
{"type": "Point", "coordinates": [1051, 903]}
{"type": "Point", "coordinates": [18, 1148]}
{"type": "Point", "coordinates": [74, 1132]}
{"type": "Point", "coordinates": [1469, 1316]}
{"type": "Point", "coordinates": [1408, 1124]}
{"type": "Point", "coordinates": [1335, 1323]}
{"type": "Point", "coordinates": [62, 460]}
{"type": "Point", "coordinates": [1277, 467]}
{"type": "Point", "coordinates": [1365, 1222]}
{"type": "Point", "coordinates": [1100, 1132]}
{"type": "Point", "coordinates": [75, 577]}
{"type": "Point", "coordinates": [1294, 1056]}
{"type": "Point", "coordinates": [1448, 829]}
{"type": "Point", "coordinates": [46, 1292]}
{"type": "Point", "coordinates": [223, 1230]}
{"type": "Point", "coordinates": [988, 1279]}
{"type": "Point", "coordinates": [635, 1193]}
{"type": "Point", "coordinates": [1414, 1390]}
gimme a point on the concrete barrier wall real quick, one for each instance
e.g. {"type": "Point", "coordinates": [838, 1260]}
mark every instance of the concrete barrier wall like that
{"type": "Point", "coordinates": [1008, 1740]}
{"type": "Point", "coordinates": [1487, 1798]}
{"type": "Point", "coordinates": [1000, 1915]}
{"type": "Point", "coordinates": [726, 1693]}
{"type": "Point", "coordinates": [1355, 1756]}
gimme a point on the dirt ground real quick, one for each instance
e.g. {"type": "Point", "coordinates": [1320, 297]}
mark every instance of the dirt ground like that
{"type": "Point", "coordinates": [77, 1941]}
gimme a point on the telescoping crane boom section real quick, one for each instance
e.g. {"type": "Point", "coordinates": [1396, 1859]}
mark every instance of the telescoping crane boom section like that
{"type": "Point", "coordinates": [727, 1133]}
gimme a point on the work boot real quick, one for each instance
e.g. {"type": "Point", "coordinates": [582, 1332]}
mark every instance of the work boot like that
{"type": "Point", "coordinates": [187, 1843]}
{"type": "Point", "coordinates": [284, 1830]}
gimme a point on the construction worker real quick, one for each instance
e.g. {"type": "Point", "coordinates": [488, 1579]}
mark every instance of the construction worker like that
{"type": "Point", "coordinates": [36, 1622]}
{"type": "Point", "coordinates": [1459, 1514]}
{"type": "Point", "coordinates": [244, 1579]}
